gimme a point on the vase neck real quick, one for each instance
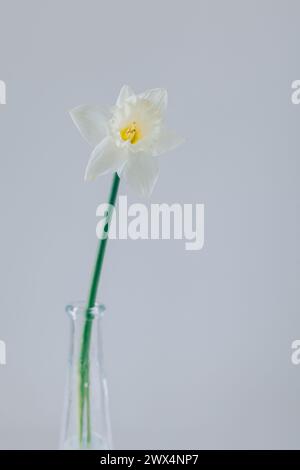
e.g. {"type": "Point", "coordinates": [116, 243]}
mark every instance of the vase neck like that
{"type": "Point", "coordinates": [78, 310]}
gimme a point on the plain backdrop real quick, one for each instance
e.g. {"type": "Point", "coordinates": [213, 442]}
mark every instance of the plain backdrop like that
{"type": "Point", "coordinates": [197, 344]}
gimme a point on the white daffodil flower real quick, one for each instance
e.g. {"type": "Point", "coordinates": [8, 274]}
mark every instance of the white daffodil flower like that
{"type": "Point", "coordinates": [128, 137]}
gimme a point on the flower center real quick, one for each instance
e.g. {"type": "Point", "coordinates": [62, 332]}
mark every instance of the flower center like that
{"type": "Point", "coordinates": [131, 133]}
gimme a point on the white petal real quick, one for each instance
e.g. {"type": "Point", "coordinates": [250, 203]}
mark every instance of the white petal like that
{"type": "Point", "coordinates": [91, 122]}
{"type": "Point", "coordinates": [105, 157]}
{"type": "Point", "coordinates": [157, 96]}
{"type": "Point", "coordinates": [141, 173]}
{"type": "Point", "coordinates": [167, 140]}
{"type": "Point", "coordinates": [124, 94]}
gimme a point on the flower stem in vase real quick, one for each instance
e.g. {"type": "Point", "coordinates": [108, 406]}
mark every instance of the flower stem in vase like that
{"type": "Point", "coordinates": [84, 391]}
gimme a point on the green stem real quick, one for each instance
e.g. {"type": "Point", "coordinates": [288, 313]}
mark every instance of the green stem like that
{"type": "Point", "coordinates": [84, 393]}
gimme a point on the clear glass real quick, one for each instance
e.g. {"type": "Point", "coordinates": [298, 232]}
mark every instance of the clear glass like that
{"type": "Point", "coordinates": [99, 420]}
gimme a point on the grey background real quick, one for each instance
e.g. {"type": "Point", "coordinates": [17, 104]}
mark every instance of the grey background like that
{"type": "Point", "coordinates": [197, 344]}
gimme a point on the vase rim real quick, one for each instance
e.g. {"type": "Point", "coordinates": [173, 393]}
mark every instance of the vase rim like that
{"type": "Point", "coordinates": [78, 308]}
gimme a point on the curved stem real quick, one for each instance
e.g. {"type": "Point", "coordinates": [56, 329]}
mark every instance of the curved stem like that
{"type": "Point", "coordinates": [87, 330]}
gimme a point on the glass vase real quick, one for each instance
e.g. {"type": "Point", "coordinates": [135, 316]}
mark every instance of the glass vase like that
{"type": "Point", "coordinates": [86, 421]}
